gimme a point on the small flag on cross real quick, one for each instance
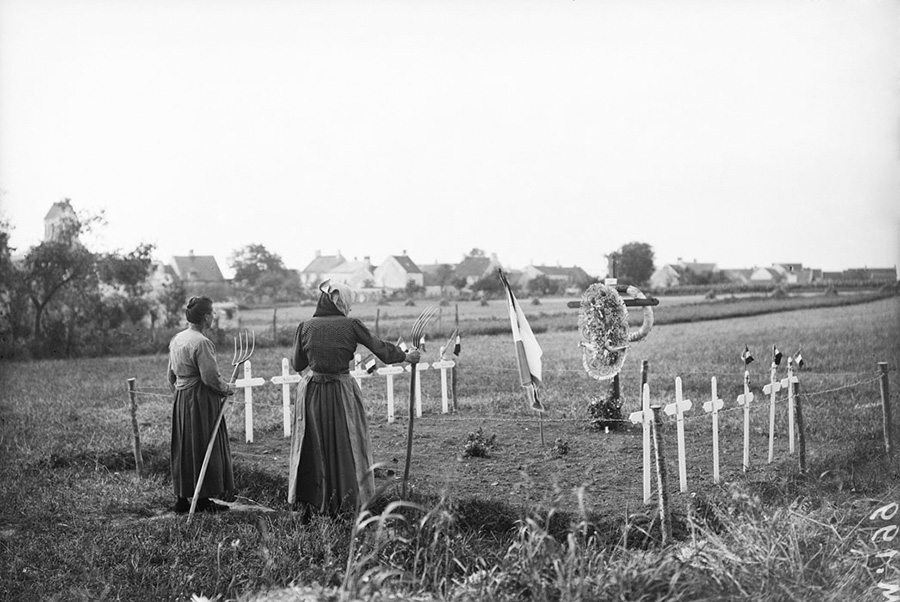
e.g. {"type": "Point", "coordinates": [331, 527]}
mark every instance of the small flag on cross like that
{"type": "Point", "coordinates": [776, 355]}
{"type": "Point", "coordinates": [457, 346]}
{"type": "Point", "coordinates": [798, 359]}
{"type": "Point", "coordinates": [745, 355]}
{"type": "Point", "coordinates": [370, 364]}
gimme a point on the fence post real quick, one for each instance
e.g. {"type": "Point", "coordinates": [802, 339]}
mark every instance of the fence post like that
{"type": "Point", "coordinates": [454, 371]}
{"type": "Point", "coordinates": [377, 318]}
{"type": "Point", "coordinates": [138, 457]}
{"type": "Point", "coordinates": [665, 522]}
{"type": "Point", "coordinates": [275, 325]}
{"type": "Point", "coordinates": [886, 409]}
{"type": "Point", "coordinates": [801, 436]}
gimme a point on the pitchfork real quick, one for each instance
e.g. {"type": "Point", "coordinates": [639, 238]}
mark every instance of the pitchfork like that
{"type": "Point", "coordinates": [416, 335]}
{"type": "Point", "coordinates": [244, 346]}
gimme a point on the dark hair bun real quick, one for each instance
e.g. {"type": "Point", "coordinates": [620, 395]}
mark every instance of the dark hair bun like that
{"type": "Point", "coordinates": [197, 308]}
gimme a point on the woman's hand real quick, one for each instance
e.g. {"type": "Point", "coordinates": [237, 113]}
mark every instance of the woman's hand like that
{"type": "Point", "coordinates": [413, 356]}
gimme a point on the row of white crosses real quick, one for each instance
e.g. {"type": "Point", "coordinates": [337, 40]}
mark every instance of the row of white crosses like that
{"type": "Point", "coordinates": [286, 379]}
{"type": "Point", "coordinates": [361, 371]}
{"type": "Point", "coordinates": [713, 406]}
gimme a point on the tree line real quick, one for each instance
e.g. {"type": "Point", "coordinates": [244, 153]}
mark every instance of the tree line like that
{"type": "Point", "coordinates": [60, 299]}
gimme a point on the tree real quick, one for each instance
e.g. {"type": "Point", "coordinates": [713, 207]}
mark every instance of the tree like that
{"type": "Point", "coordinates": [14, 322]}
{"type": "Point", "coordinates": [489, 285]}
{"type": "Point", "coordinates": [543, 285]}
{"type": "Point", "coordinates": [634, 263]}
{"type": "Point", "coordinates": [476, 252]}
{"type": "Point", "coordinates": [413, 288]}
{"type": "Point", "coordinates": [252, 262]}
{"type": "Point", "coordinates": [127, 275]}
{"type": "Point", "coordinates": [444, 275]}
{"type": "Point", "coordinates": [54, 266]}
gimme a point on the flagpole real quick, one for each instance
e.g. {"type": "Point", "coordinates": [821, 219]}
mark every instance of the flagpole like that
{"type": "Point", "coordinates": [541, 423]}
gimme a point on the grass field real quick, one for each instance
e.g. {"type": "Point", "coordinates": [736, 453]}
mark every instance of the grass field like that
{"type": "Point", "coordinates": [563, 521]}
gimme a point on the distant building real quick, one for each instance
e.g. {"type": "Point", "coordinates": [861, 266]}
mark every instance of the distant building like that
{"type": "Point", "coordinates": [768, 275]}
{"type": "Point", "coordinates": [438, 279]}
{"type": "Point", "coordinates": [59, 218]}
{"type": "Point", "coordinates": [396, 271]}
{"type": "Point", "coordinates": [315, 272]}
{"type": "Point", "coordinates": [683, 272]}
{"type": "Point", "coordinates": [356, 274]}
{"type": "Point", "coordinates": [473, 269]}
{"type": "Point", "coordinates": [200, 275]}
{"type": "Point", "coordinates": [566, 277]}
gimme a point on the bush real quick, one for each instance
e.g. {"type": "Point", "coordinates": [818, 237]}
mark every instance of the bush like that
{"type": "Point", "coordinates": [478, 445]}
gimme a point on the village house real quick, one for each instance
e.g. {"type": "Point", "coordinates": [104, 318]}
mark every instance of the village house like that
{"type": "Point", "coordinates": [356, 274]}
{"type": "Point", "coordinates": [396, 271]}
{"type": "Point", "coordinates": [315, 272]}
{"type": "Point", "coordinates": [200, 275]}
{"type": "Point", "coordinates": [682, 272]}
{"type": "Point", "coordinates": [439, 279]}
{"type": "Point", "coordinates": [568, 278]}
{"type": "Point", "coordinates": [473, 269]}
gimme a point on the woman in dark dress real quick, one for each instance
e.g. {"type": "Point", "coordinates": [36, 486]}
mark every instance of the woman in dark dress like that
{"type": "Point", "coordinates": [331, 456]}
{"type": "Point", "coordinates": [193, 375]}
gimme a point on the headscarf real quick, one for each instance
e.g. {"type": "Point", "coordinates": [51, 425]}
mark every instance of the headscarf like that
{"type": "Point", "coordinates": [197, 308]}
{"type": "Point", "coordinates": [335, 299]}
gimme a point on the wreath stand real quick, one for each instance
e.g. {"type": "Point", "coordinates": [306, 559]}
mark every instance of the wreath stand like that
{"type": "Point", "coordinates": [609, 351]}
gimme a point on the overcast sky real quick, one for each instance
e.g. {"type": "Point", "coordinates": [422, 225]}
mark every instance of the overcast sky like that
{"type": "Point", "coordinates": [736, 132]}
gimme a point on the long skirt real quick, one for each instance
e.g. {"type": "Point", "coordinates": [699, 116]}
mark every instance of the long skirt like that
{"type": "Point", "coordinates": [193, 416]}
{"type": "Point", "coordinates": [331, 458]}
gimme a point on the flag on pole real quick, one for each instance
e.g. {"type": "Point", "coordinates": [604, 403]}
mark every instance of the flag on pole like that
{"type": "Point", "coordinates": [370, 364]}
{"type": "Point", "coordinates": [776, 355]}
{"type": "Point", "coordinates": [528, 352]}
{"type": "Point", "coordinates": [798, 359]}
{"type": "Point", "coordinates": [745, 355]}
{"type": "Point", "coordinates": [454, 336]}
{"type": "Point", "coordinates": [458, 346]}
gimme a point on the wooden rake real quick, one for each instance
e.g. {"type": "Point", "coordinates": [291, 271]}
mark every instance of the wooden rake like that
{"type": "Point", "coordinates": [416, 335]}
{"type": "Point", "coordinates": [244, 346]}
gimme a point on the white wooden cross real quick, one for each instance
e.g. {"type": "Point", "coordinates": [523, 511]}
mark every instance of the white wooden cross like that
{"type": "Point", "coordinates": [420, 367]}
{"type": "Point", "coordinates": [443, 365]}
{"type": "Point", "coordinates": [247, 383]}
{"type": "Point", "coordinates": [714, 405]}
{"type": "Point", "coordinates": [788, 383]}
{"type": "Point", "coordinates": [359, 371]}
{"type": "Point", "coordinates": [771, 389]}
{"type": "Point", "coordinates": [286, 380]}
{"type": "Point", "coordinates": [389, 372]}
{"type": "Point", "coordinates": [679, 408]}
{"type": "Point", "coordinates": [744, 399]}
{"type": "Point", "coordinates": [644, 417]}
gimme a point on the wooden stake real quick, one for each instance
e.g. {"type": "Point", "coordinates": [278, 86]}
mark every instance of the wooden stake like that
{"type": "Point", "coordinates": [770, 389]}
{"type": "Point", "coordinates": [886, 409]}
{"type": "Point", "coordinates": [665, 521]}
{"type": "Point", "coordinates": [801, 436]}
{"type": "Point", "coordinates": [409, 430]}
{"type": "Point", "coordinates": [136, 434]}
{"type": "Point", "coordinates": [454, 371]}
{"type": "Point", "coordinates": [377, 318]}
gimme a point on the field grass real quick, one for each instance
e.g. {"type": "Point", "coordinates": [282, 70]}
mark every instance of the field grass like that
{"type": "Point", "coordinates": [76, 524]}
